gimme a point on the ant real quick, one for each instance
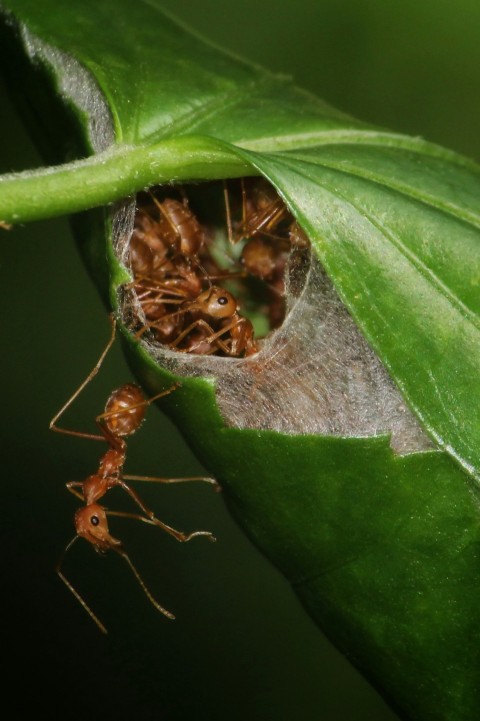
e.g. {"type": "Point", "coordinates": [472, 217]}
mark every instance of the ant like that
{"type": "Point", "coordinates": [154, 299]}
{"type": "Point", "coordinates": [267, 225]}
{"type": "Point", "coordinates": [157, 243]}
{"type": "Point", "coordinates": [172, 262]}
{"type": "Point", "coordinates": [219, 306]}
{"type": "Point", "coordinates": [263, 211]}
{"type": "Point", "coordinates": [124, 413]}
{"type": "Point", "coordinates": [181, 227]}
{"type": "Point", "coordinates": [273, 239]}
{"type": "Point", "coordinates": [166, 262]}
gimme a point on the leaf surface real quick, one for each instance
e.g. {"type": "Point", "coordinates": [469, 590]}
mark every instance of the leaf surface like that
{"type": "Point", "coordinates": [395, 220]}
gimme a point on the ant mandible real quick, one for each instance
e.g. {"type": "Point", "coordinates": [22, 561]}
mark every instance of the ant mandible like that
{"type": "Point", "coordinates": [123, 415]}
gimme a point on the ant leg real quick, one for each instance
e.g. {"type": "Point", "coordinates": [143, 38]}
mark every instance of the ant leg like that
{"type": "Point", "coordinates": [215, 337]}
{"type": "Point", "coordinates": [80, 434]}
{"type": "Point", "coordinates": [152, 600]}
{"type": "Point", "coordinates": [151, 519]}
{"type": "Point", "coordinates": [71, 485]}
{"type": "Point", "coordinates": [82, 602]}
{"type": "Point", "coordinates": [165, 286]}
{"type": "Point", "coordinates": [165, 216]}
{"type": "Point", "coordinates": [187, 330]}
{"type": "Point", "coordinates": [203, 324]}
{"type": "Point", "coordinates": [228, 274]}
{"type": "Point", "coordinates": [270, 216]}
{"type": "Point", "coordinates": [157, 479]}
{"type": "Point", "coordinates": [215, 344]}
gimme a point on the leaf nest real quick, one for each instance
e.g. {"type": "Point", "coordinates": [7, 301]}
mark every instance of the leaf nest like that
{"type": "Point", "coordinates": [313, 374]}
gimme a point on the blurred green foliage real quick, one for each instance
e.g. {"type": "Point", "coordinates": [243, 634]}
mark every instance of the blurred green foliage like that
{"type": "Point", "coordinates": [409, 65]}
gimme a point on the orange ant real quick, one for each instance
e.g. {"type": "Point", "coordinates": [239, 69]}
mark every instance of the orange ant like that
{"type": "Point", "coordinates": [123, 415]}
{"type": "Point", "coordinates": [262, 211]}
{"type": "Point", "coordinates": [218, 305]}
{"type": "Point", "coordinates": [164, 257]}
{"type": "Point", "coordinates": [263, 224]}
{"type": "Point", "coordinates": [271, 233]}
{"type": "Point", "coordinates": [186, 233]}
{"type": "Point", "coordinates": [176, 232]}
{"type": "Point", "coordinates": [170, 252]}
{"type": "Point", "coordinates": [265, 217]}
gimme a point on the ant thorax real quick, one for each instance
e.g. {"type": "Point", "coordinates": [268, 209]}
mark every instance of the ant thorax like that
{"type": "Point", "coordinates": [225, 285]}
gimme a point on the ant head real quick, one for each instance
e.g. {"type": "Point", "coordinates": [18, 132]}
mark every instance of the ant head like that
{"type": "Point", "coordinates": [216, 302]}
{"type": "Point", "coordinates": [92, 525]}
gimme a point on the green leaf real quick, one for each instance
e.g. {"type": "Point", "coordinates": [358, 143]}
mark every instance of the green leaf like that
{"type": "Point", "coordinates": [382, 549]}
{"type": "Point", "coordinates": [410, 298]}
{"type": "Point", "coordinates": [398, 233]}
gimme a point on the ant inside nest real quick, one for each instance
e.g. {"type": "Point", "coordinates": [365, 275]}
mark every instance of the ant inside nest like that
{"type": "Point", "coordinates": [212, 266]}
{"type": "Point", "coordinates": [223, 273]}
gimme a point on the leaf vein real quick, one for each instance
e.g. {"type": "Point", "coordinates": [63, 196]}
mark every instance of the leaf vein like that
{"type": "Point", "coordinates": [413, 259]}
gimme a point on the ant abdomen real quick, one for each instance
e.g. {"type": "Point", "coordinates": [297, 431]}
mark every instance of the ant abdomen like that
{"type": "Point", "coordinates": [190, 234]}
{"type": "Point", "coordinates": [147, 251]}
{"type": "Point", "coordinates": [124, 410]}
{"type": "Point", "coordinates": [260, 257]}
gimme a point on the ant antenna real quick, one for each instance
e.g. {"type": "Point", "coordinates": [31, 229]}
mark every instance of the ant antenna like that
{"type": "Point", "coordinates": [84, 604]}
{"type": "Point", "coordinates": [79, 598]}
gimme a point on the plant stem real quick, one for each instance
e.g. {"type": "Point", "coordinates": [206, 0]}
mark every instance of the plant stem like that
{"type": "Point", "coordinates": [113, 174]}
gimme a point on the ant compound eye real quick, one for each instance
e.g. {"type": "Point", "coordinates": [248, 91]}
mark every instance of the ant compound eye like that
{"type": "Point", "coordinates": [223, 300]}
{"type": "Point", "coordinates": [94, 520]}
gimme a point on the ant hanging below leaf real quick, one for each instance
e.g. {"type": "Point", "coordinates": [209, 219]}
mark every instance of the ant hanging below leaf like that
{"type": "Point", "coordinates": [124, 413]}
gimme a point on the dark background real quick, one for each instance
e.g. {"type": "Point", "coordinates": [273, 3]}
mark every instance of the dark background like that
{"type": "Point", "coordinates": [241, 647]}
